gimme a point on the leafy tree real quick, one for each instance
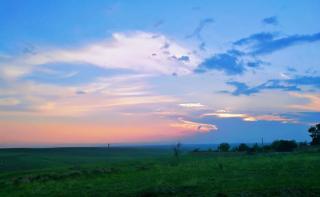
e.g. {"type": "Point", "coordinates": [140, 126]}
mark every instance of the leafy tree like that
{"type": "Point", "coordinates": [284, 145]}
{"type": "Point", "coordinates": [243, 147]}
{"type": "Point", "coordinates": [224, 147]}
{"type": "Point", "coordinates": [315, 134]}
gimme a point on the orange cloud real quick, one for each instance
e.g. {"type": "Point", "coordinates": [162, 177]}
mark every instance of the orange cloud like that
{"type": "Point", "coordinates": [312, 105]}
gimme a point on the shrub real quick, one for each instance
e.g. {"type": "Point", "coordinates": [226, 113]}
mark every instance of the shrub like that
{"type": "Point", "coordinates": [302, 144]}
{"type": "Point", "coordinates": [196, 150]}
{"type": "Point", "coordinates": [267, 148]}
{"type": "Point", "coordinates": [224, 147]}
{"type": "Point", "coordinates": [284, 145]}
{"type": "Point", "coordinates": [243, 147]}
{"type": "Point", "coordinates": [256, 147]}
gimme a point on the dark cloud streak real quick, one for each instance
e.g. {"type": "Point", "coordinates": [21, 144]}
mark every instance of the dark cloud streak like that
{"type": "Point", "coordinates": [267, 43]}
{"type": "Point", "coordinates": [285, 85]}
{"type": "Point", "coordinates": [273, 20]}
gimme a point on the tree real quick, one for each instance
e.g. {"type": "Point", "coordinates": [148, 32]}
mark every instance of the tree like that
{"type": "Point", "coordinates": [315, 134]}
{"type": "Point", "coordinates": [224, 147]}
{"type": "Point", "coordinates": [243, 147]}
{"type": "Point", "coordinates": [284, 145]}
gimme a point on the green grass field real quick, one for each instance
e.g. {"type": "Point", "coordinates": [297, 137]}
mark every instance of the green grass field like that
{"type": "Point", "coordinates": [155, 172]}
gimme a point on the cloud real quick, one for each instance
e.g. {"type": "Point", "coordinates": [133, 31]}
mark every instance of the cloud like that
{"type": "Point", "coordinates": [293, 84]}
{"type": "Point", "coordinates": [197, 32]}
{"type": "Point", "coordinates": [132, 51]}
{"type": "Point", "coordinates": [313, 103]}
{"type": "Point", "coordinates": [202, 24]}
{"type": "Point", "coordinates": [240, 89]}
{"type": "Point", "coordinates": [191, 105]}
{"type": "Point", "coordinates": [291, 69]}
{"type": "Point", "coordinates": [266, 42]}
{"type": "Point", "coordinates": [231, 63]}
{"type": "Point", "coordinates": [273, 20]}
{"type": "Point", "coordinates": [158, 23]}
{"type": "Point", "coordinates": [9, 102]}
{"type": "Point", "coordinates": [194, 126]}
{"type": "Point", "coordinates": [306, 80]}
{"type": "Point", "coordinates": [251, 118]}
{"type": "Point", "coordinates": [102, 95]}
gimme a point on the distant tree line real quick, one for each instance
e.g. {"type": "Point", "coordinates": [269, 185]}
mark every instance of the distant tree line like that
{"type": "Point", "coordinates": [277, 145]}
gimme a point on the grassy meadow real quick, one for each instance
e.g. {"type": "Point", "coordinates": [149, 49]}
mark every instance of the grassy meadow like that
{"type": "Point", "coordinates": [154, 171]}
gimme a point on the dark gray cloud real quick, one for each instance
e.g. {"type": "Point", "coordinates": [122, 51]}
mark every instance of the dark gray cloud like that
{"type": "Point", "coordinates": [266, 42]}
{"type": "Point", "coordinates": [285, 85]}
{"type": "Point", "coordinates": [273, 20]}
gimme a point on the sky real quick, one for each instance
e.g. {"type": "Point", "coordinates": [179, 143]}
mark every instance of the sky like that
{"type": "Point", "coordinates": [97, 72]}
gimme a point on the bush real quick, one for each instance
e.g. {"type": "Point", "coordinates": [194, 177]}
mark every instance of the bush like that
{"type": "Point", "coordinates": [224, 147]}
{"type": "Point", "coordinates": [267, 148]}
{"type": "Point", "coordinates": [196, 150]}
{"type": "Point", "coordinates": [243, 147]}
{"type": "Point", "coordinates": [303, 144]}
{"type": "Point", "coordinates": [256, 148]}
{"type": "Point", "coordinates": [284, 145]}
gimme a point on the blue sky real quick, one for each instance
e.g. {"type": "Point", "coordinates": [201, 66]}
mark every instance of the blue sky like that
{"type": "Point", "coordinates": [158, 71]}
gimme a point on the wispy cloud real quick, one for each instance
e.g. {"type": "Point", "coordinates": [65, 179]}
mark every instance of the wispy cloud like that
{"type": "Point", "coordinates": [9, 102]}
{"type": "Point", "coordinates": [272, 20]}
{"type": "Point", "coordinates": [313, 103]}
{"type": "Point", "coordinates": [266, 42]}
{"type": "Point", "coordinates": [194, 126]}
{"type": "Point", "coordinates": [251, 118]}
{"type": "Point", "coordinates": [197, 32]}
{"type": "Point", "coordinates": [119, 52]}
{"type": "Point", "coordinates": [104, 94]}
{"type": "Point", "coordinates": [191, 105]}
{"type": "Point", "coordinates": [293, 84]}
{"type": "Point", "coordinates": [202, 24]}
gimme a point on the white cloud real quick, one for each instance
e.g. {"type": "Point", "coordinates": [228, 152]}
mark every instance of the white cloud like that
{"type": "Point", "coordinates": [138, 51]}
{"type": "Point", "coordinates": [250, 118]}
{"type": "Point", "coordinates": [191, 105]}
{"type": "Point", "coordinates": [194, 126]}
